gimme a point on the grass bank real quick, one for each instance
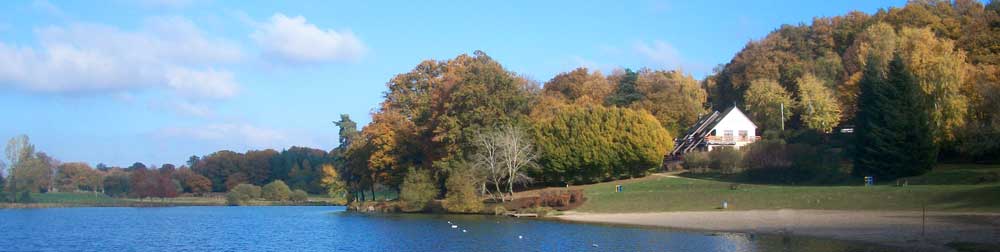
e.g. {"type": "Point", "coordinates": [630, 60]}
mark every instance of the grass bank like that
{"type": "Point", "coordinates": [947, 188]}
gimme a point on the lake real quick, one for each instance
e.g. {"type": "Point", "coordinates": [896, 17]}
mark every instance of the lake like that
{"type": "Point", "coordinates": [332, 229]}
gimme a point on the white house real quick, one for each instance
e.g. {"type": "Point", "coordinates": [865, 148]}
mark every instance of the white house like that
{"type": "Point", "coordinates": [731, 129]}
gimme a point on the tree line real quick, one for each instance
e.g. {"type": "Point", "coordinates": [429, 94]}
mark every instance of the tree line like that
{"type": "Point", "coordinates": [472, 118]}
{"type": "Point", "coordinates": [26, 170]}
{"type": "Point", "coordinates": [816, 72]}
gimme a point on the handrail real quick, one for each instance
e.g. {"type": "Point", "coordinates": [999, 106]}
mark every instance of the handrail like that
{"type": "Point", "coordinates": [731, 138]}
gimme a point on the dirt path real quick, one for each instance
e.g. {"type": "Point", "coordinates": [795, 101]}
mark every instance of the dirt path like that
{"type": "Point", "coordinates": [894, 228]}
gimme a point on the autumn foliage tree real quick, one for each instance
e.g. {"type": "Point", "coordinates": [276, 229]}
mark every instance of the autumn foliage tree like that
{"type": "Point", "coordinates": [675, 99]}
{"type": "Point", "coordinates": [817, 107]}
{"type": "Point", "coordinates": [461, 196]}
{"type": "Point", "coordinates": [768, 104]}
{"type": "Point", "coordinates": [334, 184]}
{"type": "Point", "coordinates": [418, 190]}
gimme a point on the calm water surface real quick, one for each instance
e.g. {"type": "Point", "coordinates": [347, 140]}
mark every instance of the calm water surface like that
{"type": "Point", "coordinates": [332, 229]}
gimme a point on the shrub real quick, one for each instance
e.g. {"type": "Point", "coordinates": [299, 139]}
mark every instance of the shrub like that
{"type": "Point", "coordinates": [724, 160]}
{"type": "Point", "coordinates": [561, 199]}
{"type": "Point", "coordinates": [233, 198]}
{"type": "Point", "coordinates": [461, 196]}
{"type": "Point", "coordinates": [299, 196]}
{"type": "Point", "coordinates": [775, 161]}
{"type": "Point", "coordinates": [246, 192]}
{"type": "Point", "coordinates": [766, 155]}
{"type": "Point", "coordinates": [499, 210]}
{"type": "Point", "coordinates": [417, 190]}
{"type": "Point", "coordinates": [696, 160]}
{"type": "Point", "coordinates": [25, 197]}
{"type": "Point", "coordinates": [276, 191]}
{"type": "Point", "coordinates": [558, 199]}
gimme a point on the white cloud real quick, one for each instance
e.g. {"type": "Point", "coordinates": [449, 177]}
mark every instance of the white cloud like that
{"type": "Point", "coordinates": [243, 134]}
{"type": "Point", "coordinates": [294, 40]}
{"type": "Point", "coordinates": [166, 52]}
{"type": "Point", "coordinates": [660, 53]}
{"type": "Point", "coordinates": [206, 84]}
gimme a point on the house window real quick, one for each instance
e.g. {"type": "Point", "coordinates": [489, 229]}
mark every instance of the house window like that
{"type": "Point", "coordinates": [727, 134]}
{"type": "Point", "coordinates": [743, 135]}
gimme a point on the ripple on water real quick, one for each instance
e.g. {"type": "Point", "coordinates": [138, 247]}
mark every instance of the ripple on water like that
{"type": "Point", "coordinates": [331, 229]}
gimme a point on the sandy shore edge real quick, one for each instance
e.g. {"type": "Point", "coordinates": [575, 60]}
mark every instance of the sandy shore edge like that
{"type": "Point", "coordinates": [904, 229]}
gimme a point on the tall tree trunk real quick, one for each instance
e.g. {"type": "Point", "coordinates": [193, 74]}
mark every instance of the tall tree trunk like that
{"type": "Point", "coordinates": [500, 192]}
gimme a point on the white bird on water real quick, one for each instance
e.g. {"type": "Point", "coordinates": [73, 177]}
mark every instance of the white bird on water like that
{"type": "Point", "coordinates": [464, 231]}
{"type": "Point", "coordinates": [454, 226]}
{"type": "Point", "coordinates": [520, 237]}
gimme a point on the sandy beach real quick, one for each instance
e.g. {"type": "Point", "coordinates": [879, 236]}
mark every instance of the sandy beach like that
{"type": "Point", "coordinates": [894, 228]}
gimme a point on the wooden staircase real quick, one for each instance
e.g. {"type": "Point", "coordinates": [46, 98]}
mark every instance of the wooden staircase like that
{"type": "Point", "coordinates": [695, 136]}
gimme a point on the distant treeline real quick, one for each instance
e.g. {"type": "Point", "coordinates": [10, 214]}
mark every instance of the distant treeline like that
{"type": "Point", "coordinates": [38, 172]}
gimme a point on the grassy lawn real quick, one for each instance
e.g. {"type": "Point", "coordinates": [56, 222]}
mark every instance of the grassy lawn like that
{"type": "Point", "coordinates": [74, 198]}
{"type": "Point", "coordinates": [953, 189]}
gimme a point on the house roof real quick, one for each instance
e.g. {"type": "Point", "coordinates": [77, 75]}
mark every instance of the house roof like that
{"type": "Point", "coordinates": [702, 128]}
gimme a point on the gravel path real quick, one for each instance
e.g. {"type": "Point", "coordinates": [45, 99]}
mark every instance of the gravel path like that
{"type": "Point", "coordinates": [894, 228]}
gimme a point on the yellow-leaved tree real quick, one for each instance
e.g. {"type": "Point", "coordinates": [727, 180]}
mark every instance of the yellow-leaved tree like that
{"type": "Point", "coordinates": [334, 185]}
{"type": "Point", "coordinates": [817, 106]}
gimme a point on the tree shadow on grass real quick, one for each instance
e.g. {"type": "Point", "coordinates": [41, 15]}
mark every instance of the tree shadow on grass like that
{"type": "Point", "coordinates": [978, 198]}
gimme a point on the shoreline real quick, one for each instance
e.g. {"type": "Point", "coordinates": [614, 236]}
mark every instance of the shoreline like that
{"type": "Point", "coordinates": [900, 229]}
{"type": "Point", "coordinates": [136, 204]}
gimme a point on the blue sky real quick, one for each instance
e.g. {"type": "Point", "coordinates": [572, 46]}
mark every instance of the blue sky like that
{"type": "Point", "coordinates": [157, 81]}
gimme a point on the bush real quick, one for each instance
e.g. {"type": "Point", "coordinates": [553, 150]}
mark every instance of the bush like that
{"type": "Point", "coordinates": [246, 192]}
{"type": "Point", "coordinates": [766, 155]}
{"type": "Point", "coordinates": [696, 160]}
{"type": "Point", "coordinates": [499, 210]}
{"type": "Point", "coordinates": [461, 196]}
{"type": "Point", "coordinates": [25, 197]}
{"type": "Point", "coordinates": [558, 199]}
{"type": "Point", "coordinates": [276, 191]}
{"type": "Point", "coordinates": [417, 191]}
{"type": "Point", "coordinates": [233, 198]}
{"type": "Point", "coordinates": [774, 161]}
{"type": "Point", "coordinates": [724, 160]}
{"type": "Point", "coordinates": [561, 199]}
{"type": "Point", "coordinates": [299, 196]}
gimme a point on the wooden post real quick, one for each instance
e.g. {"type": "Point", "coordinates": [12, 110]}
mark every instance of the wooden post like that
{"type": "Point", "coordinates": [923, 221]}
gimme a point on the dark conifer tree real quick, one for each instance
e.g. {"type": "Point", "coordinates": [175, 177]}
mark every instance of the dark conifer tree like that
{"type": "Point", "coordinates": [626, 92]}
{"type": "Point", "coordinates": [894, 138]}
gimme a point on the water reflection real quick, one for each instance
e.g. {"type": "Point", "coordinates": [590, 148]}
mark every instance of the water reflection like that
{"type": "Point", "coordinates": [331, 229]}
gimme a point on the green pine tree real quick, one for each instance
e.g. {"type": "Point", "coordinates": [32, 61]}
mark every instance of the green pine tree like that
{"type": "Point", "coordinates": [626, 92]}
{"type": "Point", "coordinates": [894, 138]}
